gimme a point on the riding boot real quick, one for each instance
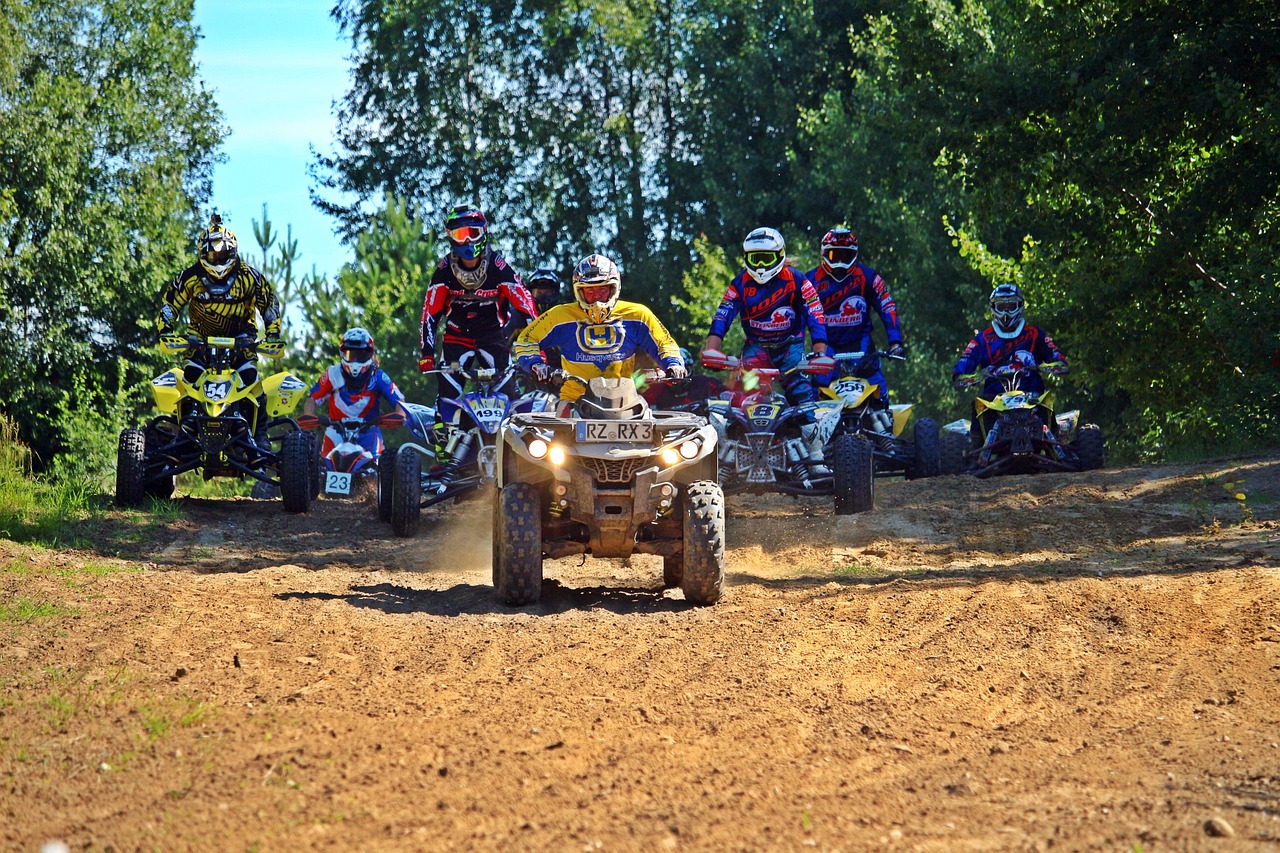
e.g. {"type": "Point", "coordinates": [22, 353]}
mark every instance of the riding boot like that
{"type": "Point", "coordinates": [260, 436]}
{"type": "Point", "coordinates": [817, 459]}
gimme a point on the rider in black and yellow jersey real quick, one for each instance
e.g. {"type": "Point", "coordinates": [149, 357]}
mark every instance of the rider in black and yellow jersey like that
{"type": "Point", "coordinates": [222, 294]}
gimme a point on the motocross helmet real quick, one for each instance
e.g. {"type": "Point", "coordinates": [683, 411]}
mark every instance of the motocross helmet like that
{"type": "Point", "coordinates": [468, 232]}
{"type": "Point", "coordinates": [765, 253]}
{"type": "Point", "coordinates": [544, 287]}
{"type": "Point", "coordinates": [358, 360]}
{"type": "Point", "coordinates": [217, 251]}
{"type": "Point", "coordinates": [839, 251]}
{"type": "Point", "coordinates": [1006, 310]}
{"type": "Point", "coordinates": [597, 285]}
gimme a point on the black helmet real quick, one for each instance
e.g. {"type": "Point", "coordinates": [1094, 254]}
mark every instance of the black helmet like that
{"type": "Point", "coordinates": [544, 286]}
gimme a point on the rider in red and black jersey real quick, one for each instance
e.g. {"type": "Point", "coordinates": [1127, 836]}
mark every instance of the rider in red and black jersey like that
{"type": "Point", "coordinates": [481, 298]}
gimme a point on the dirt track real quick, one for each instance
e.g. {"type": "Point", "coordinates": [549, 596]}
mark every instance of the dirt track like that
{"type": "Point", "coordinates": [1062, 662]}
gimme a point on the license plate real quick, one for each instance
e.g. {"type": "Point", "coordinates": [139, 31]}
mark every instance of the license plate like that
{"type": "Point", "coordinates": [613, 431]}
{"type": "Point", "coordinates": [337, 483]}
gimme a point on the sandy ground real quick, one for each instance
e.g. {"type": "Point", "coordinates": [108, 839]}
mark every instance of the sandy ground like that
{"type": "Point", "coordinates": [1067, 662]}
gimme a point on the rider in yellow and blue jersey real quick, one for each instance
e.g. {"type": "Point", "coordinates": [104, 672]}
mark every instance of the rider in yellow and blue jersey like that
{"type": "Point", "coordinates": [597, 335]}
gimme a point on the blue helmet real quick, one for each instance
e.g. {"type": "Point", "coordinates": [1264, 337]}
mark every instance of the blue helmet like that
{"type": "Point", "coordinates": [468, 232]}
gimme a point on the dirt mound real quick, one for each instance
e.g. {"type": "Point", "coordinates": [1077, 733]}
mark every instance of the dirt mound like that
{"type": "Point", "coordinates": [1067, 662]}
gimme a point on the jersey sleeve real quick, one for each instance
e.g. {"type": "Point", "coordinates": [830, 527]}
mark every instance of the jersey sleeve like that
{"type": "Point", "coordinates": [175, 298]}
{"type": "Point", "coordinates": [522, 307]}
{"type": "Point", "coordinates": [322, 389]}
{"type": "Point", "coordinates": [389, 390]}
{"type": "Point", "coordinates": [1046, 351]}
{"type": "Point", "coordinates": [886, 308]}
{"type": "Point", "coordinates": [528, 345]}
{"type": "Point", "coordinates": [433, 308]}
{"type": "Point", "coordinates": [730, 304]}
{"type": "Point", "coordinates": [266, 302]}
{"type": "Point", "coordinates": [972, 358]}
{"type": "Point", "coordinates": [813, 316]}
{"type": "Point", "coordinates": [660, 346]}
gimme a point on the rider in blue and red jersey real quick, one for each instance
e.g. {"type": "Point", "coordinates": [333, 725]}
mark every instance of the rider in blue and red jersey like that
{"type": "Point", "coordinates": [777, 304]}
{"type": "Point", "coordinates": [1008, 341]}
{"type": "Point", "coordinates": [353, 389]}
{"type": "Point", "coordinates": [850, 292]}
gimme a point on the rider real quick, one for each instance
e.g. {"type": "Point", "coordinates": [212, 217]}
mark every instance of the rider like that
{"type": "Point", "coordinates": [700, 388]}
{"type": "Point", "coordinates": [481, 297]}
{"type": "Point", "coordinates": [224, 293]}
{"type": "Point", "coordinates": [777, 304]}
{"type": "Point", "coordinates": [1008, 342]}
{"type": "Point", "coordinates": [544, 287]}
{"type": "Point", "coordinates": [597, 335]}
{"type": "Point", "coordinates": [849, 290]}
{"type": "Point", "coordinates": [353, 389]}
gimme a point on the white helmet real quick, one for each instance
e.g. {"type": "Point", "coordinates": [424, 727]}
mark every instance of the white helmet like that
{"type": "Point", "coordinates": [597, 271]}
{"type": "Point", "coordinates": [357, 351]}
{"type": "Point", "coordinates": [765, 252]}
{"type": "Point", "coordinates": [1006, 304]}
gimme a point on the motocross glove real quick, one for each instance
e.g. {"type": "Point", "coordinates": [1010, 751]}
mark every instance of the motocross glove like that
{"type": "Point", "coordinates": [427, 363]}
{"type": "Point", "coordinates": [713, 359]}
{"type": "Point", "coordinates": [1054, 368]}
{"type": "Point", "coordinates": [541, 371]}
{"type": "Point", "coordinates": [678, 371]}
{"type": "Point", "coordinates": [897, 349]}
{"type": "Point", "coordinates": [962, 381]}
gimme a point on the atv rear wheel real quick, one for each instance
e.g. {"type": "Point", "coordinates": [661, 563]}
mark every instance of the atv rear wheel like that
{"type": "Point", "coordinates": [954, 446]}
{"type": "Point", "coordinates": [928, 450]}
{"type": "Point", "coordinates": [853, 474]}
{"type": "Point", "coordinates": [1089, 447]}
{"type": "Point", "coordinates": [386, 477]}
{"type": "Point", "coordinates": [317, 478]}
{"type": "Point", "coordinates": [131, 467]}
{"type": "Point", "coordinates": [517, 544]}
{"type": "Point", "coordinates": [406, 492]}
{"type": "Point", "coordinates": [295, 471]}
{"type": "Point", "coordinates": [702, 579]}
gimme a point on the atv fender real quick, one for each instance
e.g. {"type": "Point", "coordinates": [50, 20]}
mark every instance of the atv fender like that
{"type": "Point", "coordinates": [901, 414]}
{"type": "Point", "coordinates": [284, 391]}
{"type": "Point", "coordinates": [168, 389]}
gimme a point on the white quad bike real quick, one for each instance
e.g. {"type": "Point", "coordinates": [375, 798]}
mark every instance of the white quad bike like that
{"type": "Point", "coordinates": [610, 479]}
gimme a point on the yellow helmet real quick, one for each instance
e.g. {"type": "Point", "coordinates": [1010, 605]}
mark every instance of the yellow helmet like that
{"type": "Point", "coordinates": [217, 250]}
{"type": "Point", "coordinates": [597, 285]}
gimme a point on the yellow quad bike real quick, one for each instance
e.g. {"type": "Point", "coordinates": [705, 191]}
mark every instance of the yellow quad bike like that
{"type": "Point", "coordinates": [1019, 441]}
{"type": "Point", "coordinates": [862, 419]}
{"type": "Point", "coordinates": [209, 425]}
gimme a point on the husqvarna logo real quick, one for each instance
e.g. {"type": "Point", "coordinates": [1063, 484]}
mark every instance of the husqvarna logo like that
{"type": "Point", "coordinates": [600, 339]}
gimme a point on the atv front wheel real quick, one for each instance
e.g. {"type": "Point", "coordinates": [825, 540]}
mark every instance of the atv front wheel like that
{"type": "Point", "coordinates": [1089, 447]}
{"type": "Point", "coordinates": [317, 442]}
{"type": "Point", "coordinates": [406, 492]}
{"type": "Point", "coordinates": [517, 544]}
{"type": "Point", "coordinates": [928, 450]}
{"type": "Point", "coordinates": [672, 571]}
{"type": "Point", "coordinates": [703, 577]}
{"type": "Point", "coordinates": [954, 446]}
{"type": "Point", "coordinates": [131, 468]}
{"type": "Point", "coordinates": [295, 471]}
{"type": "Point", "coordinates": [853, 475]}
{"type": "Point", "coordinates": [386, 477]}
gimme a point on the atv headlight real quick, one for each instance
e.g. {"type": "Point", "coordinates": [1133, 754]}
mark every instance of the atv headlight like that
{"type": "Point", "coordinates": [670, 456]}
{"type": "Point", "coordinates": [689, 449]}
{"type": "Point", "coordinates": [538, 448]}
{"type": "Point", "coordinates": [556, 454]}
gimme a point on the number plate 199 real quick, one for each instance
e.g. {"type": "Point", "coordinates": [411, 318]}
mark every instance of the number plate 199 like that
{"type": "Point", "coordinates": [613, 431]}
{"type": "Point", "coordinates": [337, 482]}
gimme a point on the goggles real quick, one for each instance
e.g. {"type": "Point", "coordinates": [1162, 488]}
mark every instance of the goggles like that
{"type": "Point", "coordinates": [1006, 306]}
{"type": "Point", "coordinates": [220, 253]}
{"type": "Point", "coordinates": [761, 259]}
{"type": "Point", "coordinates": [357, 354]}
{"type": "Point", "coordinates": [466, 233]}
{"type": "Point", "coordinates": [839, 255]}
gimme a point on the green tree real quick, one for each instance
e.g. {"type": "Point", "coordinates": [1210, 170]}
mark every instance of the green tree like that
{"type": "Point", "coordinates": [106, 145]}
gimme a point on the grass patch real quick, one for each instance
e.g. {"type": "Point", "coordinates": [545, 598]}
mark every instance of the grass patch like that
{"type": "Point", "coordinates": [23, 610]}
{"type": "Point", "coordinates": [855, 570]}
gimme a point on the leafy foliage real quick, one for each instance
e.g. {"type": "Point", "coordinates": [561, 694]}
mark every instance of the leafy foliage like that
{"type": "Point", "coordinates": [106, 146]}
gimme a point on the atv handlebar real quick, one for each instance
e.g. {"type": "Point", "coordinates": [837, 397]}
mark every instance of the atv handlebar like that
{"type": "Point", "coordinates": [390, 420]}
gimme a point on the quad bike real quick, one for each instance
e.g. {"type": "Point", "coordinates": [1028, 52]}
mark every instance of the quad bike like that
{"type": "Point", "coordinates": [209, 424]}
{"type": "Point", "coordinates": [611, 479]}
{"type": "Point", "coordinates": [1019, 441]}
{"type": "Point", "coordinates": [766, 444]}
{"type": "Point", "coordinates": [349, 467]}
{"type": "Point", "coordinates": [864, 417]}
{"type": "Point", "coordinates": [468, 440]}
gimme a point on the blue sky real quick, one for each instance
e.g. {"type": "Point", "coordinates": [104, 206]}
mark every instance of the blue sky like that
{"type": "Point", "coordinates": [275, 66]}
